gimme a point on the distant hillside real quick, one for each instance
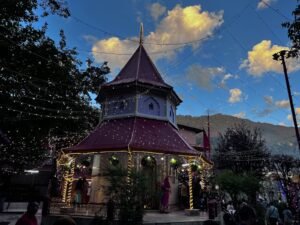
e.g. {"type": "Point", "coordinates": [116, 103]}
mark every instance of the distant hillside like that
{"type": "Point", "coordinates": [279, 139]}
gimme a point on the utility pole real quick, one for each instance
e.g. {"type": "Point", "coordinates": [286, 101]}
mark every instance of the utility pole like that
{"type": "Point", "coordinates": [281, 56]}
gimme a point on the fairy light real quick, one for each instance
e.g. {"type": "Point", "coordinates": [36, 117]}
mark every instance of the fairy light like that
{"type": "Point", "coordinates": [190, 183]}
{"type": "Point", "coordinates": [70, 183]}
{"type": "Point", "coordinates": [129, 166]}
{"type": "Point", "coordinates": [65, 187]}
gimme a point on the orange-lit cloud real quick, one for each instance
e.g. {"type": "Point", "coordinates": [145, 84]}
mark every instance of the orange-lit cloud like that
{"type": "Point", "coordinates": [235, 95]}
{"type": "Point", "coordinates": [283, 104]}
{"type": "Point", "coordinates": [297, 111]}
{"type": "Point", "coordinates": [180, 25]}
{"type": "Point", "coordinates": [262, 4]}
{"type": "Point", "coordinates": [260, 60]}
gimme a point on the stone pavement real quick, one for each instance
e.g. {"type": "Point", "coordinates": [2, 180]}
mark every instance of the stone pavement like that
{"type": "Point", "coordinates": [11, 218]}
{"type": "Point", "coordinates": [14, 211]}
{"type": "Point", "coordinates": [150, 218]}
{"type": "Point", "coordinates": [176, 217]}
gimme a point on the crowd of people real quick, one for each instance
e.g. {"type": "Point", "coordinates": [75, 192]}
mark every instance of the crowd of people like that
{"type": "Point", "coordinates": [245, 214]}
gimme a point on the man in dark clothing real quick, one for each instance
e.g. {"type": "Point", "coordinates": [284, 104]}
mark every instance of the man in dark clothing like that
{"type": "Point", "coordinates": [246, 215]}
{"type": "Point", "coordinates": [29, 218]}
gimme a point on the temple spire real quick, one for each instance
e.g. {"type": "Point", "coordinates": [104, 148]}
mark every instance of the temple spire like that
{"type": "Point", "coordinates": [141, 33]}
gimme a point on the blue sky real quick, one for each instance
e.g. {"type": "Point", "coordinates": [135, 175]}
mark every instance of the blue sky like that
{"type": "Point", "coordinates": [225, 67]}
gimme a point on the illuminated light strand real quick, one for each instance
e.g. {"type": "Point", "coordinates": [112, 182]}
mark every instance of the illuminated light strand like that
{"type": "Point", "coordinates": [65, 187]}
{"type": "Point", "coordinates": [42, 115]}
{"type": "Point", "coordinates": [70, 182]}
{"type": "Point", "coordinates": [129, 166]}
{"type": "Point", "coordinates": [67, 111]}
{"type": "Point", "coordinates": [190, 183]}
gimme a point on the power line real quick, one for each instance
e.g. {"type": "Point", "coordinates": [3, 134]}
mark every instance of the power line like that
{"type": "Point", "coordinates": [275, 10]}
{"type": "Point", "coordinates": [133, 40]}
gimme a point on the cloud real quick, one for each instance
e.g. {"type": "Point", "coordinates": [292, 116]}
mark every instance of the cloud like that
{"type": "Point", "coordinates": [265, 112]}
{"type": "Point", "coordinates": [226, 78]}
{"type": "Point", "coordinates": [235, 95]}
{"type": "Point", "coordinates": [90, 39]}
{"type": "Point", "coordinates": [260, 60]}
{"type": "Point", "coordinates": [297, 111]}
{"type": "Point", "coordinates": [157, 10]}
{"type": "Point", "coordinates": [296, 93]}
{"type": "Point", "coordinates": [283, 104]}
{"type": "Point", "coordinates": [272, 105]}
{"type": "Point", "coordinates": [262, 4]}
{"type": "Point", "coordinates": [203, 77]}
{"type": "Point", "coordinates": [180, 25]}
{"type": "Point", "coordinates": [113, 45]}
{"type": "Point", "coordinates": [268, 100]}
{"type": "Point", "coordinates": [240, 115]}
{"type": "Point", "coordinates": [282, 124]}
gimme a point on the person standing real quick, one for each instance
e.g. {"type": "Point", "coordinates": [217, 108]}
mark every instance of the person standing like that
{"type": "Point", "coordinates": [29, 217]}
{"type": "Point", "coordinates": [78, 192]}
{"type": "Point", "coordinates": [246, 216]}
{"type": "Point", "coordinates": [85, 188]}
{"type": "Point", "coordinates": [287, 216]}
{"type": "Point", "coordinates": [272, 215]}
{"type": "Point", "coordinates": [166, 190]}
{"type": "Point", "coordinates": [184, 198]}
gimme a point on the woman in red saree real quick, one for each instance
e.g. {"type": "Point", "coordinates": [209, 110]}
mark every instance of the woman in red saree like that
{"type": "Point", "coordinates": [166, 190]}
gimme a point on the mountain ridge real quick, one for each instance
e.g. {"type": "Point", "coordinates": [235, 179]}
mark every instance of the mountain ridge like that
{"type": "Point", "coordinates": [279, 139]}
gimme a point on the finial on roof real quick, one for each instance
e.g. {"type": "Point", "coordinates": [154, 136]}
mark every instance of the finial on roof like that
{"type": "Point", "coordinates": [141, 34]}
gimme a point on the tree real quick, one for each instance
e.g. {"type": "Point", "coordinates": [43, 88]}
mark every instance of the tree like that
{"type": "Point", "coordinates": [44, 90]}
{"type": "Point", "coordinates": [241, 150]}
{"type": "Point", "coordinates": [294, 34]}
{"type": "Point", "coordinates": [128, 193]}
{"type": "Point", "coordinates": [235, 185]}
{"type": "Point", "coordinates": [285, 167]}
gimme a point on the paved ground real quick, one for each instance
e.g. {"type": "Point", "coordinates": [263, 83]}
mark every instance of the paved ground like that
{"type": "Point", "coordinates": [11, 218]}
{"type": "Point", "coordinates": [177, 216]}
{"type": "Point", "coordinates": [14, 211]}
{"type": "Point", "coordinates": [151, 218]}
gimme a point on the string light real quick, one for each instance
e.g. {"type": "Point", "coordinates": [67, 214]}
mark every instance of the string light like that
{"type": "Point", "coordinates": [70, 182]}
{"type": "Point", "coordinates": [190, 183]}
{"type": "Point", "coordinates": [129, 166]}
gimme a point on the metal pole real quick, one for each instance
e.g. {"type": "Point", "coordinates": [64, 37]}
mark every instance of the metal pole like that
{"type": "Point", "coordinates": [282, 55]}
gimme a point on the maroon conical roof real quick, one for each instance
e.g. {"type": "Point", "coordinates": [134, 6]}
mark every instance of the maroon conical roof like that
{"type": "Point", "coordinates": [135, 133]}
{"type": "Point", "coordinates": [139, 68]}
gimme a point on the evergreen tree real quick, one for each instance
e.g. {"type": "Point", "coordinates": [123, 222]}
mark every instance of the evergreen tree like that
{"type": "Point", "coordinates": [45, 97]}
{"type": "Point", "coordinates": [241, 150]}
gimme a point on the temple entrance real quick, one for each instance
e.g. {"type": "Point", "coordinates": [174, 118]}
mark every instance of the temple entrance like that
{"type": "Point", "coordinates": [152, 192]}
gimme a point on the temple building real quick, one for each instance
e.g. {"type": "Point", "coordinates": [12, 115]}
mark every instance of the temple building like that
{"type": "Point", "coordinates": [138, 122]}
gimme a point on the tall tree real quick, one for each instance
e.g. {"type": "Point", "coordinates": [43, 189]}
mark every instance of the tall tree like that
{"type": "Point", "coordinates": [241, 150]}
{"type": "Point", "coordinates": [44, 91]}
{"type": "Point", "coordinates": [293, 29]}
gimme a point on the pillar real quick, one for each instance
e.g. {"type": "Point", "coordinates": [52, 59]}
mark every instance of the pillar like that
{"type": "Point", "coordinates": [190, 183]}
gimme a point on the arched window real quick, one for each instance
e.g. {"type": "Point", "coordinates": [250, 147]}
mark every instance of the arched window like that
{"type": "Point", "coordinates": [122, 105]}
{"type": "Point", "coordinates": [151, 106]}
